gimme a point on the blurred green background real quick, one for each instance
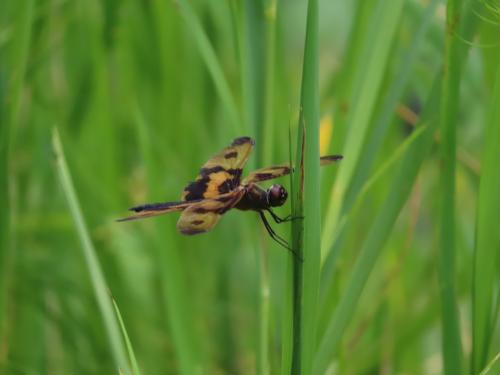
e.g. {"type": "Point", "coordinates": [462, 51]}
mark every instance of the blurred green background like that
{"type": "Point", "coordinates": [142, 92]}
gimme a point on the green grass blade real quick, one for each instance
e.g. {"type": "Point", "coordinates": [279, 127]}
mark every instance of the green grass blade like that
{"type": "Point", "coordinates": [266, 130]}
{"type": "Point", "coordinates": [328, 273]}
{"type": "Point", "coordinates": [288, 301]}
{"type": "Point", "coordinates": [382, 121]}
{"type": "Point", "coordinates": [452, 348]}
{"type": "Point", "coordinates": [252, 44]}
{"type": "Point", "coordinates": [307, 264]}
{"type": "Point", "coordinates": [253, 69]}
{"type": "Point", "coordinates": [270, 114]}
{"type": "Point", "coordinates": [494, 365]}
{"type": "Point", "coordinates": [287, 321]}
{"type": "Point", "coordinates": [382, 29]}
{"type": "Point", "coordinates": [487, 250]}
{"type": "Point", "coordinates": [264, 295]}
{"type": "Point", "coordinates": [5, 224]}
{"type": "Point", "coordinates": [12, 76]}
{"type": "Point", "coordinates": [110, 322]}
{"type": "Point", "coordinates": [141, 107]}
{"type": "Point", "coordinates": [400, 189]}
{"type": "Point", "coordinates": [212, 62]}
{"type": "Point", "coordinates": [342, 85]}
{"type": "Point", "coordinates": [130, 349]}
{"type": "Point", "coordinates": [179, 310]}
{"type": "Point", "coordinates": [379, 174]}
{"type": "Point", "coordinates": [19, 54]}
{"type": "Point", "coordinates": [173, 279]}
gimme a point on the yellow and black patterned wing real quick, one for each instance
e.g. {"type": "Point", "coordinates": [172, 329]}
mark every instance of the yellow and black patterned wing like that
{"type": "Point", "coordinates": [155, 209]}
{"type": "Point", "coordinates": [269, 173]}
{"type": "Point", "coordinates": [202, 216]}
{"type": "Point", "coordinates": [328, 159]}
{"type": "Point", "coordinates": [221, 173]}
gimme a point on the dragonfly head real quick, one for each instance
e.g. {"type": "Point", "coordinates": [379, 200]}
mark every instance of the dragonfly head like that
{"type": "Point", "coordinates": [276, 195]}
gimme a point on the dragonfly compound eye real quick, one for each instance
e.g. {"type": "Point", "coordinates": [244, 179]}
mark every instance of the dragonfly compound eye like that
{"type": "Point", "coordinates": [277, 195]}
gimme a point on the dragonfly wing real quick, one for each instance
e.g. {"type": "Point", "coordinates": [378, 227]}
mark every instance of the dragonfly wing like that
{"type": "Point", "coordinates": [328, 159]}
{"type": "Point", "coordinates": [221, 173]}
{"type": "Point", "coordinates": [204, 215]}
{"type": "Point", "coordinates": [155, 209]}
{"type": "Point", "coordinates": [269, 173]}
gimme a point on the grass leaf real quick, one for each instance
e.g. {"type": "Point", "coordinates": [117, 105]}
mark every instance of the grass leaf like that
{"type": "Point", "coordinates": [174, 295]}
{"type": "Point", "coordinates": [10, 100]}
{"type": "Point", "coordinates": [400, 188]}
{"type": "Point", "coordinates": [493, 365]}
{"type": "Point", "coordinates": [452, 349]}
{"type": "Point", "coordinates": [486, 254]}
{"type": "Point", "coordinates": [382, 30]}
{"type": "Point", "coordinates": [306, 233]}
{"type": "Point", "coordinates": [212, 62]}
{"type": "Point", "coordinates": [97, 279]}
{"type": "Point", "coordinates": [130, 349]}
{"type": "Point", "coordinates": [384, 114]}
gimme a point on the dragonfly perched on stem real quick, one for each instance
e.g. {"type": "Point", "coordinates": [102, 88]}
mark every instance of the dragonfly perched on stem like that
{"type": "Point", "coordinates": [219, 188]}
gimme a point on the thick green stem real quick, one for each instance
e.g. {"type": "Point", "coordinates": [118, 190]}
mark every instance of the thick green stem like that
{"type": "Point", "coordinates": [452, 349]}
{"type": "Point", "coordinates": [306, 233]}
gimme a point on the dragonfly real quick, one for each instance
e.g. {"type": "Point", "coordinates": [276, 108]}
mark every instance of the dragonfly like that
{"type": "Point", "coordinates": [219, 187]}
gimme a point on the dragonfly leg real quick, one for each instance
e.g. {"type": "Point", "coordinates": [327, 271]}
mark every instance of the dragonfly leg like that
{"type": "Point", "coordinates": [275, 236]}
{"type": "Point", "coordinates": [280, 220]}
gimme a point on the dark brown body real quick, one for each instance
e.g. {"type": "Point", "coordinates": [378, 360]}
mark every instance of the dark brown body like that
{"type": "Point", "coordinates": [255, 199]}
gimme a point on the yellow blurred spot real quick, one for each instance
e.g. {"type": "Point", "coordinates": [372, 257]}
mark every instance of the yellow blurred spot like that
{"type": "Point", "coordinates": [270, 12]}
{"type": "Point", "coordinates": [325, 134]}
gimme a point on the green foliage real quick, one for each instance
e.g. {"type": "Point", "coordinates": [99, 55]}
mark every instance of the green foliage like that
{"type": "Point", "coordinates": [130, 350]}
{"type": "Point", "coordinates": [399, 242]}
{"type": "Point", "coordinates": [451, 341]}
{"type": "Point", "coordinates": [111, 323]}
{"type": "Point", "coordinates": [306, 205]}
{"type": "Point", "coordinates": [486, 254]}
